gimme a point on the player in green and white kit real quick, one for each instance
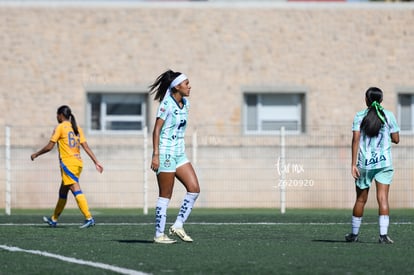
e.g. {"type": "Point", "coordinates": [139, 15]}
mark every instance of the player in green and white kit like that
{"type": "Point", "coordinates": [169, 160]}
{"type": "Point", "coordinates": [171, 140]}
{"type": "Point", "coordinates": [374, 129]}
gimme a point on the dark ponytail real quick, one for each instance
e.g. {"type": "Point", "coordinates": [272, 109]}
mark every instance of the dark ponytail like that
{"type": "Point", "coordinates": [161, 84]}
{"type": "Point", "coordinates": [67, 113]}
{"type": "Point", "coordinates": [375, 117]}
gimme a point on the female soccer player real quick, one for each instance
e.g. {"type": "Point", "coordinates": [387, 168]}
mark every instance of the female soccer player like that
{"type": "Point", "coordinates": [69, 137]}
{"type": "Point", "coordinates": [374, 129]}
{"type": "Point", "coordinates": [169, 160]}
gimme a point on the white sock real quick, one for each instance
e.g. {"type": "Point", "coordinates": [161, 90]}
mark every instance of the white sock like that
{"type": "Point", "coordinates": [161, 216]}
{"type": "Point", "coordinates": [185, 209]}
{"type": "Point", "coordinates": [384, 221]}
{"type": "Point", "coordinates": [356, 224]}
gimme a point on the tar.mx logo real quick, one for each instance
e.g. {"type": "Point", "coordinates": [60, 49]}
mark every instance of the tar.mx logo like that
{"type": "Point", "coordinates": [288, 168]}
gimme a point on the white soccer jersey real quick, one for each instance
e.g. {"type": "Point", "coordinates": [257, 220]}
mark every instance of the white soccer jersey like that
{"type": "Point", "coordinates": [375, 152]}
{"type": "Point", "coordinates": [175, 123]}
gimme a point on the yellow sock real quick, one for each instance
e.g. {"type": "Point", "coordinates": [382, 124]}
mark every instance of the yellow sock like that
{"type": "Point", "coordinates": [83, 204]}
{"type": "Point", "coordinates": [59, 208]}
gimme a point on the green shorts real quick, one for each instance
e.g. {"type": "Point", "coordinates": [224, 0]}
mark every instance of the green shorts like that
{"type": "Point", "coordinates": [381, 175]}
{"type": "Point", "coordinates": [169, 163]}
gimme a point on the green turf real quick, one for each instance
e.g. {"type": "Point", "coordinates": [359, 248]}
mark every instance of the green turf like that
{"type": "Point", "coordinates": [227, 241]}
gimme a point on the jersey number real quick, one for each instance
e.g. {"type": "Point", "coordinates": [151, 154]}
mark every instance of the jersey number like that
{"type": "Point", "coordinates": [73, 140]}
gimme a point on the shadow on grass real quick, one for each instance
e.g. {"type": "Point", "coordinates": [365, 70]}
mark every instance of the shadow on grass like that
{"type": "Point", "coordinates": [50, 227]}
{"type": "Point", "coordinates": [342, 241]}
{"type": "Point", "coordinates": [329, 241]}
{"type": "Point", "coordinates": [134, 241]}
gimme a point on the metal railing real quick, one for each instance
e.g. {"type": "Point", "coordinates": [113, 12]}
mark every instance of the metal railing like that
{"type": "Point", "coordinates": [279, 171]}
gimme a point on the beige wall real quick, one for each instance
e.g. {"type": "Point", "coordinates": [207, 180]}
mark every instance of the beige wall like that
{"type": "Point", "coordinates": [51, 53]}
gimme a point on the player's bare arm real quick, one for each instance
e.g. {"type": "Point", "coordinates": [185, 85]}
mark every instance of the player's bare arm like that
{"type": "Point", "coordinates": [44, 150]}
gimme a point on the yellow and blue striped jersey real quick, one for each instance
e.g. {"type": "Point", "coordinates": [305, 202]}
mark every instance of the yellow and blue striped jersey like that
{"type": "Point", "coordinates": [68, 143]}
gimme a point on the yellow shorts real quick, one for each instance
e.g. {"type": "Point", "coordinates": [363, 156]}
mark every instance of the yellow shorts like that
{"type": "Point", "coordinates": [70, 174]}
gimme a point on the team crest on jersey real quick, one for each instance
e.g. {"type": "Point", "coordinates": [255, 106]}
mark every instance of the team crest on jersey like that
{"type": "Point", "coordinates": [167, 162]}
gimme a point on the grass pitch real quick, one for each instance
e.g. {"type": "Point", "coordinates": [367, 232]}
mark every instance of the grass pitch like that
{"type": "Point", "coordinates": [226, 241]}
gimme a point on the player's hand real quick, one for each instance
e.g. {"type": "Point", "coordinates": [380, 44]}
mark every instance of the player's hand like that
{"type": "Point", "coordinates": [355, 172]}
{"type": "Point", "coordinates": [99, 167]}
{"type": "Point", "coordinates": [155, 163]}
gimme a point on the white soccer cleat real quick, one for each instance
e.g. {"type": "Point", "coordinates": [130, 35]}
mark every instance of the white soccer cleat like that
{"type": "Point", "coordinates": [180, 233]}
{"type": "Point", "coordinates": [164, 240]}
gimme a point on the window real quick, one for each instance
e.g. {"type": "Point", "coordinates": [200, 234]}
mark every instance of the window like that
{"type": "Point", "coordinates": [406, 112]}
{"type": "Point", "coordinates": [266, 113]}
{"type": "Point", "coordinates": [116, 112]}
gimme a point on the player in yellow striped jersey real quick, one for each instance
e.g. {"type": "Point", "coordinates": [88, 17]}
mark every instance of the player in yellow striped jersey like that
{"type": "Point", "coordinates": [69, 138]}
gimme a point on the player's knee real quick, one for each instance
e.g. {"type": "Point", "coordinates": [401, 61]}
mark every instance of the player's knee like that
{"type": "Point", "coordinates": [362, 200]}
{"type": "Point", "coordinates": [382, 201]}
{"type": "Point", "coordinates": [194, 188]}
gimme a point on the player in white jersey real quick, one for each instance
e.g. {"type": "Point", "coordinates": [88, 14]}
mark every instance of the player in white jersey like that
{"type": "Point", "coordinates": [175, 122]}
{"type": "Point", "coordinates": [169, 160]}
{"type": "Point", "coordinates": [374, 129]}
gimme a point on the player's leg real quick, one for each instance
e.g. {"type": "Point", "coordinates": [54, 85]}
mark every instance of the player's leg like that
{"type": "Point", "coordinates": [186, 174]}
{"type": "Point", "coordinates": [383, 180]}
{"type": "Point", "coordinates": [60, 205]}
{"type": "Point", "coordinates": [383, 212]}
{"type": "Point", "coordinates": [165, 187]}
{"type": "Point", "coordinates": [357, 213]}
{"type": "Point", "coordinates": [81, 200]}
{"type": "Point", "coordinates": [362, 185]}
{"type": "Point", "coordinates": [361, 200]}
{"type": "Point", "coordinates": [382, 198]}
{"type": "Point", "coordinates": [63, 196]}
{"type": "Point", "coordinates": [70, 177]}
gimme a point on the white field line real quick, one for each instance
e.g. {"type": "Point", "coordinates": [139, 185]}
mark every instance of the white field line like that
{"type": "Point", "coordinates": [74, 260]}
{"type": "Point", "coordinates": [207, 223]}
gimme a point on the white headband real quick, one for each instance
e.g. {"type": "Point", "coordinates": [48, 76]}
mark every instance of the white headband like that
{"type": "Point", "coordinates": [174, 83]}
{"type": "Point", "coordinates": [178, 80]}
